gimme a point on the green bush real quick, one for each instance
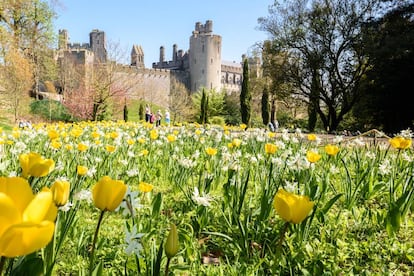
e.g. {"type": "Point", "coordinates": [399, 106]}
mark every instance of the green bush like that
{"type": "Point", "coordinates": [50, 110]}
{"type": "Point", "coordinates": [217, 120]}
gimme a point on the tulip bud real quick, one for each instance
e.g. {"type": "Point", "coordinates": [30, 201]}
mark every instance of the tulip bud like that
{"type": "Point", "coordinates": [60, 189]}
{"type": "Point", "coordinates": [172, 246]}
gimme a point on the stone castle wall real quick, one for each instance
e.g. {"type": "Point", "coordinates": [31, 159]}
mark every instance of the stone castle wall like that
{"type": "Point", "coordinates": [200, 66]}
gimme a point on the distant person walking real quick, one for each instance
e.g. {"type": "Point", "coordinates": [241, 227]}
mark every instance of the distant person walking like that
{"type": "Point", "coordinates": [147, 113]}
{"type": "Point", "coordinates": [167, 118]}
{"type": "Point", "coordinates": [158, 118]}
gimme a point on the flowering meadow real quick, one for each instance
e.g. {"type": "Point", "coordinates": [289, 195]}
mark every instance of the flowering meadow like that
{"type": "Point", "coordinates": [116, 198]}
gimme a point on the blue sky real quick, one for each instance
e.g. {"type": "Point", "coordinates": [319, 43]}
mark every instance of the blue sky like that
{"type": "Point", "coordinates": [155, 23]}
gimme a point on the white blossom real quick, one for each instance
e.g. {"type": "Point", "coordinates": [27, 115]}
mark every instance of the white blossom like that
{"type": "Point", "coordinates": [204, 200]}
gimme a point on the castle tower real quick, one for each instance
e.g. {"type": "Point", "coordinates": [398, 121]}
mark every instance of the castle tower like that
{"type": "Point", "coordinates": [98, 45]}
{"type": "Point", "coordinates": [63, 40]}
{"type": "Point", "coordinates": [205, 57]}
{"type": "Point", "coordinates": [162, 54]}
{"type": "Point", "coordinates": [174, 52]}
{"type": "Point", "coordinates": [137, 56]}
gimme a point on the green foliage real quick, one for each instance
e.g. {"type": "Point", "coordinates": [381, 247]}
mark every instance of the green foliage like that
{"type": "Point", "coordinates": [204, 107]}
{"type": "Point", "coordinates": [50, 110]}
{"type": "Point", "coordinates": [217, 120]}
{"type": "Point", "coordinates": [245, 95]}
{"type": "Point", "coordinates": [208, 103]}
{"type": "Point", "coordinates": [388, 42]}
{"type": "Point", "coordinates": [265, 106]}
{"type": "Point", "coordinates": [141, 111]}
{"type": "Point", "coordinates": [125, 113]}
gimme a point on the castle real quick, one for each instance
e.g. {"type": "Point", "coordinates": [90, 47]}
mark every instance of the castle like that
{"type": "Point", "coordinates": [199, 67]}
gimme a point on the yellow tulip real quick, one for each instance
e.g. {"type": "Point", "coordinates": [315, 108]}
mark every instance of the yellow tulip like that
{"type": "Point", "coordinates": [53, 134]}
{"type": "Point", "coordinates": [311, 137]}
{"type": "Point", "coordinates": [153, 134]}
{"type": "Point", "coordinates": [108, 193]}
{"type": "Point", "coordinates": [60, 189]}
{"type": "Point", "coordinates": [33, 164]}
{"type": "Point", "coordinates": [171, 138]}
{"type": "Point", "coordinates": [236, 142]}
{"type": "Point", "coordinates": [110, 148]}
{"type": "Point", "coordinates": [331, 149]}
{"type": "Point", "coordinates": [313, 157]}
{"type": "Point", "coordinates": [81, 170]}
{"type": "Point", "coordinates": [171, 245]}
{"type": "Point", "coordinates": [211, 151]}
{"type": "Point", "coordinates": [270, 148]}
{"type": "Point", "coordinates": [145, 187]}
{"type": "Point", "coordinates": [400, 142]}
{"type": "Point", "coordinates": [55, 144]}
{"type": "Point", "coordinates": [82, 147]}
{"type": "Point", "coordinates": [291, 207]}
{"type": "Point", "coordinates": [27, 220]}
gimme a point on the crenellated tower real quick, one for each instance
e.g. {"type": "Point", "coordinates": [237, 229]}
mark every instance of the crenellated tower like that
{"type": "Point", "coordinates": [97, 43]}
{"type": "Point", "coordinates": [205, 57]}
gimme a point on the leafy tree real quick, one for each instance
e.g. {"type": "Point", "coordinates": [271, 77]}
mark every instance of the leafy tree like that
{"type": "Point", "coordinates": [17, 79]}
{"type": "Point", "coordinates": [180, 101]}
{"type": "Point", "coordinates": [231, 108]}
{"type": "Point", "coordinates": [27, 26]}
{"type": "Point", "coordinates": [245, 96]}
{"type": "Point", "coordinates": [389, 43]}
{"type": "Point", "coordinates": [321, 39]}
{"type": "Point", "coordinates": [265, 106]}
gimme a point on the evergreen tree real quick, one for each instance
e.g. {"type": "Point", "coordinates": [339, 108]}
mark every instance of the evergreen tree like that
{"type": "Point", "coordinates": [245, 95]}
{"type": "Point", "coordinates": [203, 107]}
{"type": "Point", "coordinates": [141, 112]}
{"type": "Point", "coordinates": [265, 106]}
{"type": "Point", "coordinates": [125, 112]}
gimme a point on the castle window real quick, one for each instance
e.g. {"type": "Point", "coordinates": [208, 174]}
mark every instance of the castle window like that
{"type": "Point", "coordinates": [211, 61]}
{"type": "Point", "coordinates": [202, 48]}
{"type": "Point", "coordinates": [202, 71]}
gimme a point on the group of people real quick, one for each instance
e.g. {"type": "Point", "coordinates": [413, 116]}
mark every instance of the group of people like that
{"type": "Point", "coordinates": [156, 118]}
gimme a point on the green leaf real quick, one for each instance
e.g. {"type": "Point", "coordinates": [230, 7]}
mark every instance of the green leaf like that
{"type": "Point", "coordinates": [393, 220]}
{"type": "Point", "coordinates": [97, 271]}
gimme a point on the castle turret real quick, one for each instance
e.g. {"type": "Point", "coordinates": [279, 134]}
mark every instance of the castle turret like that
{"type": "Point", "coordinates": [205, 57]}
{"type": "Point", "coordinates": [162, 54]}
{"type": "Point", "coordinates": [63, 40]}
{"type": "Point", "coordinates": [98, 45]}
{"type": "Point", "coordinates": [174, 52]}
{"type": "Point", "coordinates": [137, 56]}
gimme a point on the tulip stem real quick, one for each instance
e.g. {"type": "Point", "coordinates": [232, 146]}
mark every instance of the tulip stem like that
{"type": "Point", "coordinates": [95, 237]}
{"type": "Point", "coordinates": [282, 235]}
{"type": "Point", "coordinates": [167, 266]}
{"type": "Point", "coordinates": [2, 262]}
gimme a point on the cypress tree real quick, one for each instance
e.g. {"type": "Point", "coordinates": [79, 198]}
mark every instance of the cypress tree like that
{"type": "Point", "coordinates": [245, 95]}
{"type": "Point", "coordinates": [125, 112]}
{"type": "Point", "coordinates": [265, 106]}
{"type": "Point", "coordinates": [141, 112]}
{"type": "Point", "coordinates": [203, 107]}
